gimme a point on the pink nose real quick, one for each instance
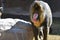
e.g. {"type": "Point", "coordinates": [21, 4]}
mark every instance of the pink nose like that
{"type": "Point", "coordinates": [35, 16]}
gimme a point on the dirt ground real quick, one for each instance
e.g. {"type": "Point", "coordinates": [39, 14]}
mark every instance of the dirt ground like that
{"type": "Point", "coordinates": [53, 37]}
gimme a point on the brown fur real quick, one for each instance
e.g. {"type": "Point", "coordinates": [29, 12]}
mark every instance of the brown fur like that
{"type": "Point", "coordinates": [41, 18]}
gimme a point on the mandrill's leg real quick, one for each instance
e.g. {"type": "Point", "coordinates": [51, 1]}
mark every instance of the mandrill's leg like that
{"type": "Point", "coordinates": [35, 31]}
{"type": "Point", "coordinates": [41, 35]}
{"type": "Point", "coordinates": [45, 33]}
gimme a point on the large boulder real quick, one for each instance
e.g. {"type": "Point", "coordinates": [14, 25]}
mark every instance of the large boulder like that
{"type": "Point", "coordinates": [20, 31]}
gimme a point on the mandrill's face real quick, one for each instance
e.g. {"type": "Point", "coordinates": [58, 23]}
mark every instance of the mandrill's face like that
{"type": "Point", "coordinates": [36, 14]}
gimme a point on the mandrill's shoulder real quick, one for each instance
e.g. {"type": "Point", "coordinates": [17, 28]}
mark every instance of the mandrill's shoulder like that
{"type": "Point", "coordinates": [46, 7]}
{"type": "Point", "coordinates": [43, 4]}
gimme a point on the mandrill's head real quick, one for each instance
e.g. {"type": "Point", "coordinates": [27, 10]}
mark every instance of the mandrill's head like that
{"type": "Point", "coordinates": [36, 14]}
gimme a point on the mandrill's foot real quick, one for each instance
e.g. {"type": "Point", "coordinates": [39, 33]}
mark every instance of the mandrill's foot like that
{"type": "Point", "coordinates": [41, 35]}
{"type": "Point", "coordinates": [49, 30]}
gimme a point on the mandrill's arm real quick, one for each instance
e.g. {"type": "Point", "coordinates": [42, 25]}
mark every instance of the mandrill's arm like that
{"type": "Point", "coordinates": [49, 16]}
{"type": "Point", "coordinates": [47, 12]}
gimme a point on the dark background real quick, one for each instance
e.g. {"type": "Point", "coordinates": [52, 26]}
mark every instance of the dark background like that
{"type": "Point", "coordinates": [25, 4]}
{"type": "Point", "coordinates": [21, 7]}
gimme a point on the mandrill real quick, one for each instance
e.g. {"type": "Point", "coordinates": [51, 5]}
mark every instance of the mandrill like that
{"type": "Point", "coordinates": [41, 19]}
